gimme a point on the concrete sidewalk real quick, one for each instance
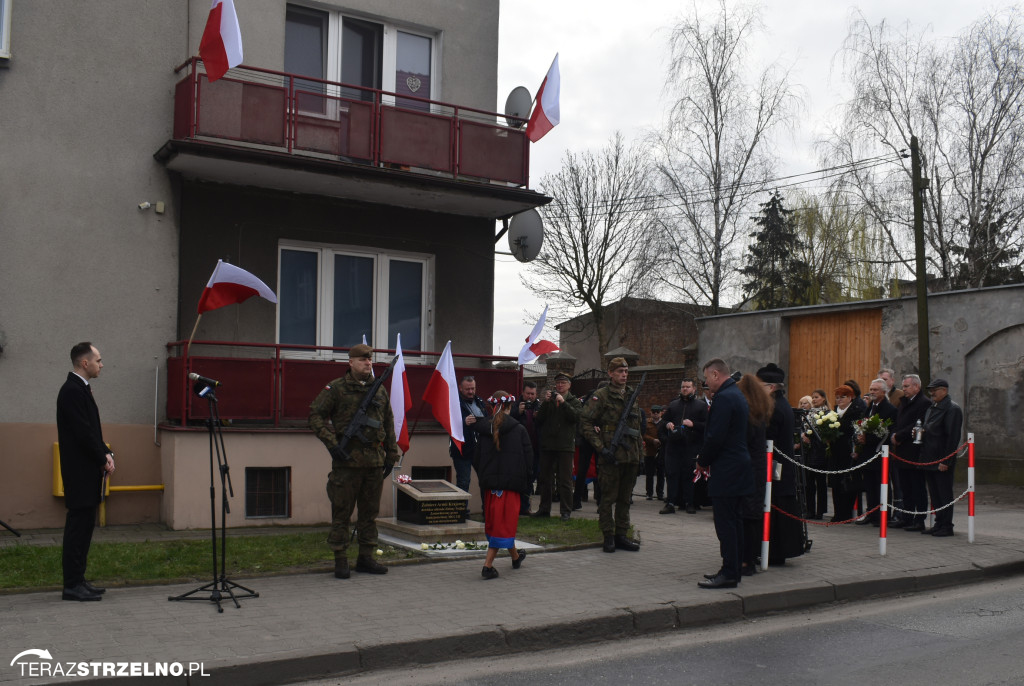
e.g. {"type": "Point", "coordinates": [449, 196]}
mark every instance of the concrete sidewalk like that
{"type": "Point", "coordinates": [312, 625]}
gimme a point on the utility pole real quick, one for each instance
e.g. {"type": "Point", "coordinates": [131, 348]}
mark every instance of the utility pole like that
{"type": "Point", "coordinates": [918, 185]}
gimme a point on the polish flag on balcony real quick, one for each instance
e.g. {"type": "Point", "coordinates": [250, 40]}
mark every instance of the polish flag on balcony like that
{"type": "Point", "coordinates": [401, 400]}
{"type": "Point", "coordinates": [535, 347]}
{"type": "Point", "coordinates": [443, 395]}
{"type": "Point", "coordinates": [546, 114]}
{"type": "Point", "coordinates": [229, 285]}
{"type": "Point", "coordinates": [221, 45]}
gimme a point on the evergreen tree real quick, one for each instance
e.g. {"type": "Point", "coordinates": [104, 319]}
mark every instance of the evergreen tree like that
{"type": "Point", "coordinates": [778, 278]}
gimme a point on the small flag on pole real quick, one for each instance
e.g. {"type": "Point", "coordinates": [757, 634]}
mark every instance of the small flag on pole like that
{"type": "Point", "coordinates": [534, 347]}
{"type": "Point", "coordinates": [546, 112]}
{"type": "Point", "coordinates": [443, 395]}
{"type": "Point", "coordinates": [229, 285]}
{"type": "Point", "coordinates": [401, 400]}
{"type": "Point", "coordinates": [221, 44]}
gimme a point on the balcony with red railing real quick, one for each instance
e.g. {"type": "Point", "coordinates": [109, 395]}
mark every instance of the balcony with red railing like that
{"type": "Point", "coordinates": [285, 121]}
{"type": "Point", "coordinates": [271, 386]}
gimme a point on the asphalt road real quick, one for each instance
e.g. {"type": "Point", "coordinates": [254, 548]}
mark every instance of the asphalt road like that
{"type": "Point", "coordinates": [973, 635]}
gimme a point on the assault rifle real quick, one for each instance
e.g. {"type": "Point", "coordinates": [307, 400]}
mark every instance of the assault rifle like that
{"type": "Point", "coordinates": [620, 429]}
{"type": "Point", "coordinates": [360, 418]}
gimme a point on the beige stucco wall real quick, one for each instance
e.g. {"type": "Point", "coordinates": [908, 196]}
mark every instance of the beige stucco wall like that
{"type": "Point", "coordinates": [186, 473]}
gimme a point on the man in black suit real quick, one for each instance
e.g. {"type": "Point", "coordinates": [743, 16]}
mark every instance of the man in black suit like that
{"type": "Point", "coordinates": [912, 408]}
{"type": "Point", "coordinates": [869, 444]}
{"type": "Point", "coordinates": [731, 475]}
{"type": "Point", "coordinates": [84, 460]}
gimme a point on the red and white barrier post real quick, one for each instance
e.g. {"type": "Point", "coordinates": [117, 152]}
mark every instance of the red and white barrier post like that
{"type": "Point", "coordinates": [766, 535]}
{"type": "Point", "coordinates": [970, 488]}
{"type": "Point", "coordinates": [883, 499]}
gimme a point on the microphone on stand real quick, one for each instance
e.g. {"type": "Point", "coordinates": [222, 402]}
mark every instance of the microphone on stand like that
{"type": "Point", "coordinates": [203, 380]}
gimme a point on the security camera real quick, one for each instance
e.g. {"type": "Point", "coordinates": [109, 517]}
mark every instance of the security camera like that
{"type": "Point", "coordinates": [145, 205]}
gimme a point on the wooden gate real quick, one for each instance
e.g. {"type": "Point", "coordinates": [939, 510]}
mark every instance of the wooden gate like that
{"type": "Point", "coordinates": [827, 349]}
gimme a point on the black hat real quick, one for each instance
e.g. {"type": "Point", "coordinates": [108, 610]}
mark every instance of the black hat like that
{"type": "Point", "coordinates": [939, 383]}
{"type": "Point", "coordinates": [771, 373]}
{"type": "Point", "coordinates": [656, 408]}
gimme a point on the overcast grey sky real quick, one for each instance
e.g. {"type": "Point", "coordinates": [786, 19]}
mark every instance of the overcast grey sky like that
{"type": "Point", "coordinates": [613, 60]}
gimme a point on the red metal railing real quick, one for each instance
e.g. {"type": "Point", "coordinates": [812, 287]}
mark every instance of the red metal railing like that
{"type": "Point", "coordinates": [299, 115]}
{"type": "Point", "coordinates": [269, 386]}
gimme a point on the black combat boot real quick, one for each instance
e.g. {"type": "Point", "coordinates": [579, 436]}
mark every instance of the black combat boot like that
{"type": "Point", "coordinates": [341, 565]}
{"type": "Point", "coordinates": [609, 544]}
{"type": "Point", "coordinates": [369, 565]}
{"type": "Point", "coordinates": [623, 543]}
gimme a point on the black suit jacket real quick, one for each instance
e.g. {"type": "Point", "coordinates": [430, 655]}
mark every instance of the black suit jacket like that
{"type": "Point", "coordinates": [907, 415]}
{"type": "Point", "coordinates": [83, 453]}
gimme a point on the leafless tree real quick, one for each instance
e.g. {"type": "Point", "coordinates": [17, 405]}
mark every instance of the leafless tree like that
{"type": "Point", "coordinates": [964, 101]}
{"type": "Point", "coordinates": [597, 233]}
{"type": "Point", "coordinates": [714, 156]}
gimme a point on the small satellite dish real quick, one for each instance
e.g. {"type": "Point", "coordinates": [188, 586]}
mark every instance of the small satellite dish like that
{"type": "Point", "coordinates": [526, 235]}
{"type": "Point", "coordinates": [517, 107]}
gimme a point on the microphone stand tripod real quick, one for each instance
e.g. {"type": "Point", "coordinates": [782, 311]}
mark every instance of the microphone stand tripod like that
{"type": "Point", "coordinates": [221, 586]}
{"type": "Point", "coordinates": [8, 527]}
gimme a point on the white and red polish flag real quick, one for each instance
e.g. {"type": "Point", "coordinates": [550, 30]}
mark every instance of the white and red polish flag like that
{"type": "Point", "coordinates": [443, 395]}
{"type": "Point", "coordinates": [546, 113]}
{"type": "Point", "coordinates": [401, 400]}
{"type": "Point", "coordinates": [229, 285]}
{"type": "Point", "coordinates": [535, 347]}
{"type": "Point", "coordinates": [221, 44]}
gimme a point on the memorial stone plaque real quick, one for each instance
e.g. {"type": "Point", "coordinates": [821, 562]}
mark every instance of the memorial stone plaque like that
{"type": "Point", "coordinates": [431, 502]}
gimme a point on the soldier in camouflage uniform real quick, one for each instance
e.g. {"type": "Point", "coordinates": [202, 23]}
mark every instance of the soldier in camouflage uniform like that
{"type": "Point", "coordinates": [355, 482]}
{"type": "Point", "coordinates": [617, 476]}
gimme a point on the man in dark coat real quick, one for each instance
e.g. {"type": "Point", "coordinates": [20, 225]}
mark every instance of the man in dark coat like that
{"type": "Point", "coordinates": [912, 407]}
{"type": "Point", "coordinates": [943, 424]}
{"type": "Point", "coordinates": [84, 460]}
{"type": "Point", "coordinates": [473, 410]}
{"type": "Point", "coordinates": [787, 534]}
{"type": "Point", "coordinates": [869, 444]}
{"type": "Point", "coordinates": [731, 478]}
{"type": "Point", "coordinates": [682, 433]}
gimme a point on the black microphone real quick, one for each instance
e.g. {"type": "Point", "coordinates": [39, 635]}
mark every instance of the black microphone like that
{"type": "Point", "coordinates": [203, 380]}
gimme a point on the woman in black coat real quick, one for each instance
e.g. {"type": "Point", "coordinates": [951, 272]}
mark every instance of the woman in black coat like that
{"type": "Point", "coordinates": [504, 462]}
{"type": "Point", "coordinates": [814, 456]}
{"type": "Point", "coordinates": [844, 486]}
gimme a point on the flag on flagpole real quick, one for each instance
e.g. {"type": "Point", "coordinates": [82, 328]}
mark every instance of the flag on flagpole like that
{"type": "Point", "coordinates": [443, 395]}
{"type": "Point", "coordinates": [229, 285]}
{"type": "Point", "coordinates": [546, 113]}
{"type": "Point", "coordinates": [221, 44]}
{"type": "Point", "coordinates": [534, 347]}
{"type": "Point", "coordinates": [401, 400]}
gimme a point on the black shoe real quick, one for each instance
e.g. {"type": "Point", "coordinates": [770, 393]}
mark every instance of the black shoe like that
{"type": "Point", "coordinates": [650, 497]}
{"type": "Point", "coordinates": [929, 531]}
{"type": "Point", "coordinates": [80, 592]}
{"type": "Point", "coordinates": [540, 514]}
{"type": "Point", "coordinates": [577, 506]}
{"type": "Point", "coordinates": [863, 522]}
{"type": "Point", "coordinates": [623, 543]}
{"type": "Point", "coordinates": [914, 527]}
{"type": "Point", "coordinates": [690, 509]}
{"type": "Point", "coordinates": [370, 566]}
{"type": "Point", "coordinates": [94, 589]}
{"type": "Point", "coordinates": [489, 573]}
{"type": "Point", "coordinates": [609, 544]}
{"type": "Point", "coordinates": [942, 533]}
{"type": "Point", "coordinates": [897, 524]}
{"type": "Point", "coordinates": [668, 509]}
{"type": "Point", "coordinates": [748, 570]}
{"type": "Point", "coordinates": [341, 570]}
{"type": "Point", "coordinates": [565, 516]}
{"type": "Point", "coordinates": [712, 576]}
{"type": "Point", "coordinates": [720, 581]}
{"type": "Point", "coordinates": [518, 562]}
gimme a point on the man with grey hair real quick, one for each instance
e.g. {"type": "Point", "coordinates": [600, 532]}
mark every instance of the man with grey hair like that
{"type": "Point", "coordinates": [889, 377]}
{"type": "Point", "coordinates": [906, 452]}
{"type": "Point", "coordinates": [868, 444]}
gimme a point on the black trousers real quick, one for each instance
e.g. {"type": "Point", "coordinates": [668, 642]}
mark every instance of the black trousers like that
{"type": "Point", "coordinates": [679, 475]}
{"type": "Point", "coordinates": [729, 528]}
{"type": "Point", "coordinates": [654, 466]}
{"type": "Point", "coordinates": [586, 454]}
{"type": "Point", "coordinates": [817, 494]}
{"type": "Point", "coordinates": [872, 491]}
{"type": "Point", "coordinates": [915, 493]}
{"type": "Point", "coordinates": [940, 489]}
{"type": "Point", "coordinates": [78, 527]}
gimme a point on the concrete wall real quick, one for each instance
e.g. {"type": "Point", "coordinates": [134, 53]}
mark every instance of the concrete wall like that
{"type": "Point", "coordinates": [976, 342]}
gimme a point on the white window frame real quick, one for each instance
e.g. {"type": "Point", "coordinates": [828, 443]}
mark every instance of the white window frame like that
{"type": "Point", "coordinates": [389, 52]}
{"type": "Point", "coordinates": [325, 293]}
{"type": "Point", "coordinates": [5, 29]}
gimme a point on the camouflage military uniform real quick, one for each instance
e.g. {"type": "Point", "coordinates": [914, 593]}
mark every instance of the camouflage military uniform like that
{"type": "Point", "coordinates": [358, 482]}
{"type": "Point", "coordinates": [617, 479]}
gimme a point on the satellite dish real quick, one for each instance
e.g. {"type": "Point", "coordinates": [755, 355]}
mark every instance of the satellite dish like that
{"type": "Point", "coordinates": [526, 235]}
{"type": "Point", "coordinates": [517, 107]}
